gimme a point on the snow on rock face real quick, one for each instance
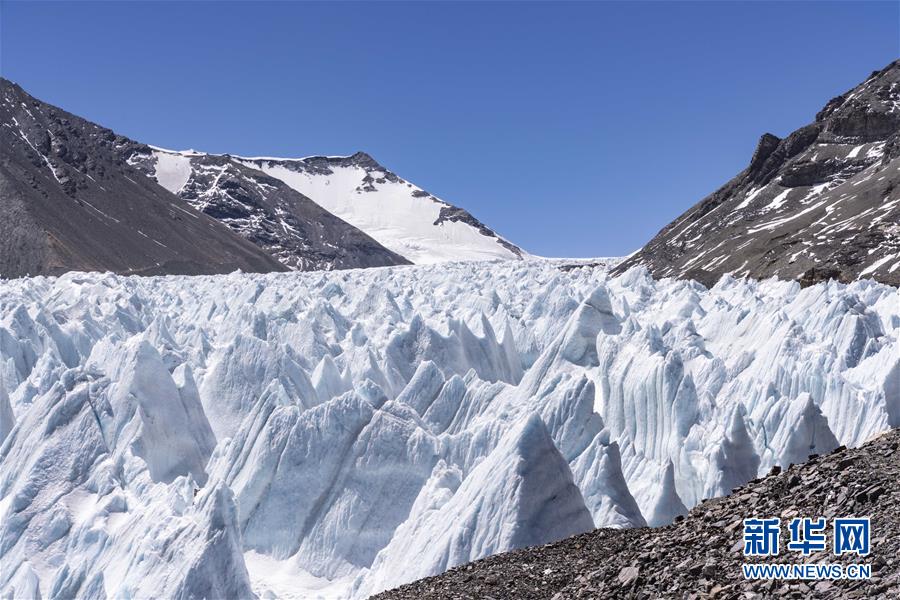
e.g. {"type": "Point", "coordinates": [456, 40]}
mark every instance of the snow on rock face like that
{"type": "Point", "coordinates": [265, 211]}
{"type": "Point", "coordinates": [306, 431]}
{"type": "Point", "coordinates": [822, 203]}
{"type": "Point", "coordinates": [73, 199]}
{"type": "Point", "coordinates": [172, 170]}
{"type": "Point", "coordinates": [400, 215]}
{"type": "Point", "coordinates": [324, 212]}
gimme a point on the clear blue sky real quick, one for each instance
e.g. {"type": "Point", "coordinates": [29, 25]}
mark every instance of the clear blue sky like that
{"type": "Point", "coordinates": [574, 129]}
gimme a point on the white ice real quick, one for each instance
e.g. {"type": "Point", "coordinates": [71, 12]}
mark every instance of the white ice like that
{"type": "Point", "coordinates": [304, 434]}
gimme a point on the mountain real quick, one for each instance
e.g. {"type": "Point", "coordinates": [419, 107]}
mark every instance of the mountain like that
{"type": "Point", "coordinates": [400, 215]}
{"type": "Point", "coordinates": [70, 202]}
{"type": "Point", "coordinates": [298, 209]}
{"type": "Point", "coordinates": [822, 203]}
{"type": "Point", "coordinates": [303, 434]}
{"type": "Point", "coordinates": [77, 196]}
{"type": "Point", "coordinates": [701, 555]}
{"type": "Point", "coordinates": [262, 209]}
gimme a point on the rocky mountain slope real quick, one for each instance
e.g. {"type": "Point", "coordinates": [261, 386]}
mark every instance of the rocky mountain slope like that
{"type": "Point", "coordinates": [700, 556]}
{"type": "Point", "coordinates": [68, 201]}
{"type": "Point", "coordinates": [305, 433]}
{"type": "Point", "coordinates": [824, 202]}
{"type": "Point", "coordinates": [396, 212]}
{"type": "Point", "coordinates": [298, 232]}
{"type": "Point", "coordinates": [76, 196]}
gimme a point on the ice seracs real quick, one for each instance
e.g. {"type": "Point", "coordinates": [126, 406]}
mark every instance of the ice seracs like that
{"type": "Point", "coordinates": [7, 418]}
{"type": "Point", "coordinates": [521, 494]}
{"type": "Point", "coordinates": [798, 429]}
{"type": "Point", "coordinates": [734, 458]}
{"type": "Point", "coordinates": [302, 433]}
{"type": "Point", "coordinates": [93, 481]}
{"type": "Point", "coordinates": [143, 411]}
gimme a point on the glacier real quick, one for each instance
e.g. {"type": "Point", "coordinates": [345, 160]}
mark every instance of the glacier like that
{"type": "Point", "coordinates": [302, 435]}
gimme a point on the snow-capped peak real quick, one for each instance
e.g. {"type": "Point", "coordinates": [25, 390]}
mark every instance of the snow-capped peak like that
{"type": "Point", "coordinates": [400, 215]}
{"type": "Point", "coordinates": [396, 213]}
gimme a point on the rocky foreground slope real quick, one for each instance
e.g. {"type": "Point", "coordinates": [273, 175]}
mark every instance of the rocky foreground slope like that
{"type": "Point", "coordinates": [822, 203]}
{"type": "Point", "coordinates": [700, 556]}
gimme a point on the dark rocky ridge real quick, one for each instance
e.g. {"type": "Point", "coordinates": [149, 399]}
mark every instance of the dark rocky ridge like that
{"type": "Point", "coordinates": [822, 203]}
{"type": "Point", "coordinates": [69, 201]}
{"type": "Point", "coordinates": [700, 556]}
{"type": "Point", "coordinates": [264, 210]}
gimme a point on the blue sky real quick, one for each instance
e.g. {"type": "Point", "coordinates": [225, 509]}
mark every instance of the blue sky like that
{"type": "Point", "coordinates": [574, 129]}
